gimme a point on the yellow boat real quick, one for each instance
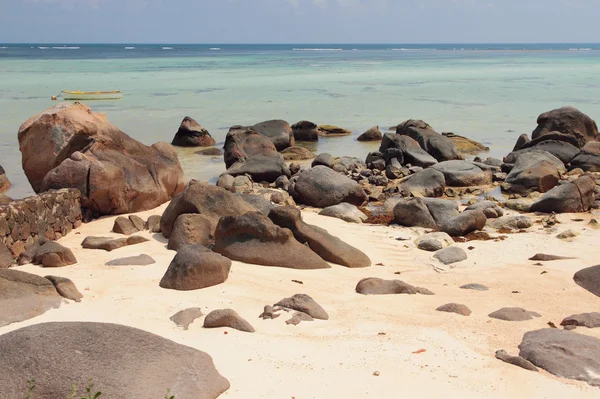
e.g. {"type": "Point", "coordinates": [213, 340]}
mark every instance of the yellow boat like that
{"type": "Point", "coordinates": [92, 95]}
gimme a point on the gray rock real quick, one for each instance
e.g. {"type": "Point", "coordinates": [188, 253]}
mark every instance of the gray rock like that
{"type": "Point", "coordinates": [153, 224]}
{"type": "Point", "coordinates": [321, 187]}
{"type": "Point", "coordinates": [282, 182]}
{"type": "Point", "coordinates": [577, 196]}
{"type": "Point", "coordinates": [227, 318]}
{"type": "Point", "coordinates": [451, 255]}
{"type": "Point", "coordinates": [242, 184]}
{"type": "Point", "coordinates": [586, 161]}
{"type": "Point", "coordinates": [426, 183]}
{"type": "Point", "coordinates": [439, 146]}
{"type": "Point", "coordinates": [512, 222]}
{"type": "Point", "coordinates": [263, 205]}
{"type": "Point", "coordinates": [424, 212]}
{"type": "Point", "coordinates": [565, 354]}
{"type": "Point", "coordinates": [68, 354]}
{"type": "Point", "coordinates": [346, 212]}
{"type": "Point", "coordinates": [463, 224]}
{"type": "Point", "coordinates": [463, 174]}
{"type": "Point", "coordinates": [304, 303]}
{"type": "Point", "coordinates": [139, 260]}
{"type": "Point", "coordinates": [185, 317]}
{"type": "Point", "coordinates": [324, 159]}
{"type": "Point", "coordinates": [124, 226]}
{"type": "Point", "coordinates": [515, 360]}
{"type": "Point", "coordinates": [513, 314]}
{"type": "Point", "coordinates": [109, 244]}
{"type": "Point", "coordinates": [412, 152]}
{"type": "Point", "coordinates": [377, 286]}
{"type": "Point", "coordinates": [305, 131]}
{"type": "Point", "coordinates": [455, 308]}
{"type": "Point", "coordinates": [518, 205]}
{"type": "Point", "coordinates": [190, 228]}
{"type": "Point", "coordinates": [434, 241]}
{"type": "Point", "coordinates": [534, 171]}
{"type": "Point", "coordinates": [278, 131]}
{"type": "Point", "coordinates": [589, 279]}
{"type": "Point", "coordinates": [65, 288]}
{"type": "Point", "coordinates": [475, 287]}
{"type": "Point", "coordinates": [195, 267]}
{"type": "Point", "coordinates": [589, 320]}
{"type": "Point", "coordinates": [490, 209]}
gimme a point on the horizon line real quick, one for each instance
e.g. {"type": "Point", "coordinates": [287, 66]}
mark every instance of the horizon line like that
{"type": "Point", "coordinates": [294, 43]}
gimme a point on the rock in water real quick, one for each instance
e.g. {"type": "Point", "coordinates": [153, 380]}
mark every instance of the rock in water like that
{"type": "Point", "coordinates": [440, 147]}
{"type": "Point", "coordinates": [65, 288]}
{"type": "Point", "coordinates": [332, 131]}
{"type": "Point", "coordinates": [185, 317]}
{"type": "Point", "coordinates": [589, 279]}
{"type": "Point", "coordinates": [305, 304]}
{"type": "Point", "coordinates": [321, 187]}
{"type": "Point", "coordinates": [513, 314]}
{"type": "Point", "coordinates": [23, 296]}
{"type": "Point", "coordinates": [209, 201]}
{"type": "Point", "coordinates": [297, 153]}
{"type": "Point", "coordinates": [577, 196]}
{"type": "Point", "coordinates": [327, 246]}
{"type": "Point", "coordinates": [253, 238]}
{"type": "Point", "coordinates": [565, 354]}
{"type": "Point", "coordinates": [195, 267]}
{"type": "Point", "coordinates": [227, 318]}
{"type": "Point", "coordinates": [278, 131]}
{"type": "Point", "coordinates": [305, 131]}
{"type": "Point", "coordinates": [68, 354]}
{"type": "Point", "coordinates": [451, 255]}
{"type": "Point", "coordinates": [372, 134]}
{"type": "Point", "coordinates": [192, 134]}
{"type": "Point", "coordinates": [569, 121]}
{"type": "Point", "coordinates": [465, 145]}
{"type": "Point", "coordinates": [69, 146]}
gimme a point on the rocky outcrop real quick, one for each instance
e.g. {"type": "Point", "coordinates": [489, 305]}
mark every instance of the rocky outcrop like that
{"type": "Point", "coordinates": [332, 131]}
{"type": "Point", "coordinates": [567, 120]}
{"type": "Point", "coordinates": [58, 367]}
{"type": "Point", "coordinates": [253, 238]}
{"type": "Point", "coordinates": [463, 174]}
{"type": "Point", "coordinates": [435, 144]}
{"type": "Point", "coordinates": [69, 146]}
{"type": "Point", "coordinates": [192, 134]}
{"type": "Point", "coordinates": [23, 296]}
{"type": "Point", "coordinates": [565, 354]}
{"type": "Point", "coordinates": [249, 152]}
{"type": "Point", "coordinates": [372, 134]}
{"type": "Point", "coordinates": [305, 131]}
{"type": "Point", "coordinates": [321, 187]}
{"type": "Point", "coordinates": [202, 198]}
{"type": "Point", "coordinates": [589, 320]}
{"type": "Point", "coordinates": [195, 267]}
{"type": "Point", "coordinates": [327, 246]}
{"type": "Point", "coordinates": [534, 171]}
{"type": "Point", "coordinates": [278, 131]}
{"type": "Point", "coordinates": [577, 196]}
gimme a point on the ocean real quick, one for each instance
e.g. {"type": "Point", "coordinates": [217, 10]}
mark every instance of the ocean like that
{"type": "Point", "coordinates": [488, 92]}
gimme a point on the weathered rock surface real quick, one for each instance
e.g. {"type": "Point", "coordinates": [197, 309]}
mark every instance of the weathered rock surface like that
{"type": "Point", "coordinates": [426, 183]}
{"type": "Point", "coordinates": [4, 182]}
{"type": "Point", "coordinates": [586, 161]}
{"type": "Point", "coordinates": [297, 153]}
{"type": "Point", "coordinates": [124, 226]}
{"type": "Point", "coordinates": [278, 131]}
{"type": "Point", "coordinates": [139, 260]}
{"type": "Point", "coordinates": [565, 354]}
{"type": "Point", "coordinates": [589, 320]}
{"type": "Point", "coordinates": [490, 209]}
{"type": "Point", "coordinates": [325, 159]}
{"type": "Point", "coordinates": [515, 360]}
{"type": "Point", "coordinates": [192, 134]}
{"type": "Point", "coordinates": [110, 244]}
{"type": "Point", "coordinates": [451, 255]}
{"type": "Point", "coordinates": [65, 288]}
{"type": "Point", "coordinates": [455, 308]}
{"type": "Point", "coordinates": [202, 198]}
{"type": "Point", "coordinates": [372, 134]}
{"type": "Point", "coordinates": [190, 228]}
{"type": "Point", "coordinates": [52, 254]}
{"type": "Point", "coordinates": [562, 150]}
{"type": "Point", "coordinates": [589, 279]}
{"type": "Point", "coordinates": [254, 238]}
{"type": "Point", "coordinates": [153, 224]}
{"type": "Point", "coordinates": [437, 145]}
{"type": "Point", "coordinates": [465, 145]}
{"type": "Point", "coordinates": [137, 222]}
{"type": "Point", "coordinates": [227, 318]}
{"type": "Point", "coordinates": [325, 245]}
{"type": "Point", "coordinates": [412, 153]}
{"type": "Point", "coordinates": [534, 171]}
{"type": "Point", "coordinates": [434, 241]}
{"type": "Point", "coordinates": [332, 131]}
{"type": "Point", "coordinates": [23, 296]}
{"type": "Point", "coordinates": [305, 304]}
{"type": "Point", "coordinates": [345, 211]}
{"type": "Point", "coordinates": [377, 286]}
{"type": "Point", "coordinates": [463, 174]}
{"type": "Point", "coordinates": [321, 187]}
{"type": "Point", "coordinates": [59, 364]}
{"type": "Point", "coordinates": [577, 196]}
{"type": "Point", "coordinates": [305, 131]}
{"type": "Point", "coordinates": [69, 146]}
{"type": "Point", "coordinates": [464, 223]}
{"type": "Point", "coordinates": [513, 314]}
{"type": "Point", "coordinates": [567, 120]}
{"type": "Point", "coordinates": [512, 222]}
{"type": "Point", "coordinates": [185, 317]}
{"type": "Point", "coordinates": [195, 267]}
{"type": "Point", "coordinates": [299, 317]}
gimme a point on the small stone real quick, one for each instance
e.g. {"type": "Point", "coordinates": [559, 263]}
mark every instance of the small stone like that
{"type": "Point", "coordinates": [137, 222]}
{"type": "Point", "coordinates": [475, 287]}
{"type": "Point", "coordinates": [299, 317]}
{"type": "Point", "coordinates": [269, 312]}
{"type": "Point", "coordinates": [567, 235]}
{"type": "Point", "coordinates": [376, 373]}
{"type": "Point", "coordinates": [304, 303]}
{"type": "Point", "coordinates": [513, 314]}
{"type": "Point", "coordinates": [185, 317]}
{"type": "Point", "coordinates": [451, 255]}
{"type": "Point", "coordinates": [548, 258]}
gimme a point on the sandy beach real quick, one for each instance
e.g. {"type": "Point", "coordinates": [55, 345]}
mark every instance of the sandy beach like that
{"type": "Point", "coordinates": [365, 335]}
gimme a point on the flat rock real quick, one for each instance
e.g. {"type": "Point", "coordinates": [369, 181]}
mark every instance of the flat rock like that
{"type": "Point", "coordinates": [333, 131]}
{"type": "Point", "coordinates": [567, 234]}
{"type": "Point", "coordinates": [513, 314]}
{"type": "Point", "coordinates": [110, 244]}
{"type": "Point", "coordinates": [227, 318]}
{"type": "Point", "coordinates": [451, 255]}
{"type": "Point", "coordinates": [305, 304]}
{"type": "Point", "coordinates": [124, 226]}
{"type": "Point", "coordinates": [455, 308]}
{"type": "Point", "coordinates": [515, 360]}
{"type": "Point", "coordinates": [547, 258]}
{"type": "Point", "coordinates": [297, 153]}
{"type": "Point", "coordinates": [347, 212]}
{"type": "Point", "coordinates": [475, 287]}
{"type": "Point", "coordinates": [565, 354]}
{"type": "Point", "coordinates": [195, 267]}
{"type": "Point", "coordinates": [589, 320]}
{"type": "Point", "coordinates": [577, 196]}
{"type": "Point", "coordinates": [185, 317]}
{"type": "Point", "coordinates": [378, 286]}
{"type": "Point", "coordinates": [68, 354]}
{"type": "Point", "coordinates": [24, 296]}
{"type": "Point", "coordinates": [589, 279]}
{"type": "Point", "coordinates": [138, 260]}
{"type": "Point", "coordinates": [65, 288]}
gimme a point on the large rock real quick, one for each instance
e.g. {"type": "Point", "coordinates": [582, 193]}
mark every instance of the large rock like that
{"type": "Point", "coordinates": [305, 131]}
{"type": "Point", "coordinates": [565, 354]}
{"type": "Point", "coordinates": [412, 153]}
{"type": "Point", "coordinates": [327, 246]}
{"type": "Point", "coordinates": [195, 267]}
{"type": "Point", "coordinates": [424, 212]}
{"type": "Point", "coordinates": [586, 161]}
{"type": "Point", "coordinates": [567, 120]}
{"type": "Point", "coordinates": [563, 150]}
{"type": "Point", "coordinates": [321, 187]}
{"type": "Point", "coordinates": [69, 146]}
{"type": "Point", "coordinates": [589, 279]}
{"type": "Point", "coordinates": [463, 224]}
{"type": "Point", "coordinates": [425, 183]}
{"type": "Point", "coordinates": [534, 171]}
{"type": "Point", "coordinates": [463, 174]}
{"type": "Point", "coordinates": [437, 145]}
{"type": "Point", "coordinates": [190, 228]}
{"type": "Point", "coordinates": [209, 201]}
{"type": "Point", "coordinates": [253, 238]}
{"type": "Point", "coordinates": [345, 211]}
{"type": "Point", "coordinates": [24, 295]}
{"type": "Point", "coordinates": [192, 134]}
{"type": "Point", "coordinates": [69, 354]}
{"type": "Point", "coordinates": [577, 196]}
{"type": "Point", "coordinates": [52, 254]}
{"type": "Point", "coordinates": [278, 131]}
{"type": "Point", "coordinates": [372, 134]}
{"type": "Point", "coordinates": [465, 145]}
{"type": "Point", "coordinates": [249, 152]}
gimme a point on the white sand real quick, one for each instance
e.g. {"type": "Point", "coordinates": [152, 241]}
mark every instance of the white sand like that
{"type": "Point", "coordinates": [337, 358]}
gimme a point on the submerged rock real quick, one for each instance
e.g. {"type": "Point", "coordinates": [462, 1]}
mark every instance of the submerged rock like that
{"type": "Point", "coordinates": [372, 134]}
{"type": "Point", "coordinates": [192, 134]}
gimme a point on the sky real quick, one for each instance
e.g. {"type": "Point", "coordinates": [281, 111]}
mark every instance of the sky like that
{"type": "Point", "coordinates": [299, 21]}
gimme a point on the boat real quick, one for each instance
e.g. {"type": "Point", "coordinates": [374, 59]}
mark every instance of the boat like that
{"type": "Point", "coordinates": [92, 95]}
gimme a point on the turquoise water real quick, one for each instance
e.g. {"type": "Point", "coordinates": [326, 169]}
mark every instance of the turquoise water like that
{"type": "Point", "coordinates": [491, 93]}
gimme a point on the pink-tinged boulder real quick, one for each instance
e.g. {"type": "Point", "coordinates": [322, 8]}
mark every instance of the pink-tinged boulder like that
{"type": "Point", "coordinates": [69, 146]}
